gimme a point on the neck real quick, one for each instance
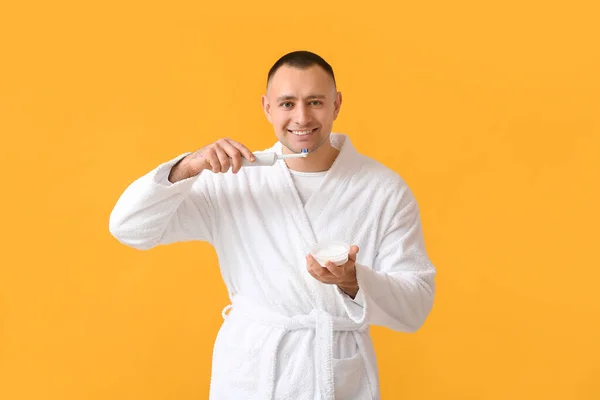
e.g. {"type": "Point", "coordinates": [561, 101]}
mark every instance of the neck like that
{"type": "Point", "coordinates": [319, 160]}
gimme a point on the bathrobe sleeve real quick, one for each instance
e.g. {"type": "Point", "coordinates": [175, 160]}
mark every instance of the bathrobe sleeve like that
{"type": "Point", "coordinates": [153, 211]}
{"type": "Point", "coordinates": [398, 290]}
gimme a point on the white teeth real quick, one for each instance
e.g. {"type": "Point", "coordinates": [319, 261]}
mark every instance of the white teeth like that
{"type": "Point", "coordinates": [301, 133]}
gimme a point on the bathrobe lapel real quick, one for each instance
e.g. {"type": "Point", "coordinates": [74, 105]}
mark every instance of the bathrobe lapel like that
{"type": "Point", "coordinates": [311, 219]}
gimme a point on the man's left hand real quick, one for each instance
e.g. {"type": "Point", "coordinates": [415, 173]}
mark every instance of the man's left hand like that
{"type": "Point", "coordinates": [344, 276]}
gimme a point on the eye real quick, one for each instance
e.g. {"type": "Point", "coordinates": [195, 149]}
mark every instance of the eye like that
{"type": "Point", "coordinates": [286, 104]}
{"type": "Point", "coordinates": [316, 103]}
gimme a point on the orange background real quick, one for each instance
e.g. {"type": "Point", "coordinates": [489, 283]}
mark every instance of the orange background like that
{"type": "Point", "coordinates": [489, 110]}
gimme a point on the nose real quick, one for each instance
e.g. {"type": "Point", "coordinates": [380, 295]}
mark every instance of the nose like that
{"type": "Point", "coordinates": [302, 116]}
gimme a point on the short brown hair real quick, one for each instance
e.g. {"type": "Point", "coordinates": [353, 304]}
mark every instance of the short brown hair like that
{"type": "Point", "coordinates": [301, 59]}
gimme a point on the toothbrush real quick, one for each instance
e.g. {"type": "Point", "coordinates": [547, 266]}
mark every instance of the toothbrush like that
{"type": "Point", "coordinates": [270, 158]}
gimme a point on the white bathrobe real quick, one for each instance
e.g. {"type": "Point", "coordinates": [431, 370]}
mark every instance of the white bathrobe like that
{"type": "Point", "coordinates": [287, 335]}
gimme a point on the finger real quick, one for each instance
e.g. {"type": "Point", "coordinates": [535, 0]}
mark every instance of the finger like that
{"type": "Point", "coordinates": [316, 268]}
{"type": "Point", "coordinates": [243, 149]}
{"type": "Point", "coordinates": [321, 277]}
{"type": "Point", "coordinates": [352, 253]}
{"type": "Point", "coordinates": [223, 159]}
{"type": "Point", "coordinates": [314, 264]}
{"type": "Point", "coordinates": [313, 274]}
{"type": "Point", "coordinates": [234, 154]}
{"type": "Point", "coordinates": [313, 271]}
{"type": "Point", "coordinates": [335, 270]}
{"type": "Point", "coordinates": [210, 158]}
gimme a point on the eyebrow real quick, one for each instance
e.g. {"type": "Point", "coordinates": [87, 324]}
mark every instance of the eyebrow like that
{"type": "Point", "coordinates": [290, 97]}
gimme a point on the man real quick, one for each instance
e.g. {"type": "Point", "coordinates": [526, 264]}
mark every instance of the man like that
{"type": "Point", "coordinates": [296, 329]}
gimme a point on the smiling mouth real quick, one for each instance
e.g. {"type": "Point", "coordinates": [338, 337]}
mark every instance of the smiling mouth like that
{"type": "Point", "coordinates": [303, 132]}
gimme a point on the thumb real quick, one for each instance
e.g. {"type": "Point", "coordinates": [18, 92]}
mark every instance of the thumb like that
{"type": "Point", "coordinates": [352, 253]}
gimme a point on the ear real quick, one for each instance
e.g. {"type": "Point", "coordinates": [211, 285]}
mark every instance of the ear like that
{"type": "Point", "coordinates": [337, 104]}
{"type": "Point", "coordinates": [266, 107]}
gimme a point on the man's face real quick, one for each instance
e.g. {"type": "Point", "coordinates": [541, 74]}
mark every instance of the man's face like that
{"type": "Point", "coordinates": [302, 105]}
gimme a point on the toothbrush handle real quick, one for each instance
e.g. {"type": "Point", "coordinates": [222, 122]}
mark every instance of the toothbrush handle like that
{"type": "Point", "coordinates": [262, 160]}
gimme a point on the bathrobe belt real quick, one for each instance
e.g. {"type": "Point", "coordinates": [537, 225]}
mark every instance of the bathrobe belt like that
{"type": "Point", "coordinates": [323, 323]}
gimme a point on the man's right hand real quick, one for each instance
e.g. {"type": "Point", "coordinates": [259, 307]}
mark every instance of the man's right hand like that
{"type": "Point", "coordinates": [217, 157]}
